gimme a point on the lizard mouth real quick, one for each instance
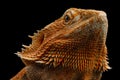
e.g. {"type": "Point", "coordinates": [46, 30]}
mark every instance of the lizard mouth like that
{"type": "Point", "coordinates": [28, 52]}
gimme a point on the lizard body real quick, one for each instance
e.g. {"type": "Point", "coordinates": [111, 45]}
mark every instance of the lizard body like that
{"type": "Point", "coordinates": [70, 48]}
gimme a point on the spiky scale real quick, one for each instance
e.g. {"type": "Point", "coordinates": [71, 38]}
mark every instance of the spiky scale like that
{"type": "Point", "coordinates": [45, 58]}
{"type": "Point", "coordinates": [30, 36]}
{"type": "Point", "coordinates": [50, 60]}
{"type": "Point", "coordinates": [41, 62]}
{"type": "Point", "coordinates": [25, 46]}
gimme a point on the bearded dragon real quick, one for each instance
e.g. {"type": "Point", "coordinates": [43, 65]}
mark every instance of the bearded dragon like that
{"type": "Point", "coordinates": [72, 47]}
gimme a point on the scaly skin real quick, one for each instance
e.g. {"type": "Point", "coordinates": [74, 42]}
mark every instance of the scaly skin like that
{"type": "Point", "coordinates": [72, 47]}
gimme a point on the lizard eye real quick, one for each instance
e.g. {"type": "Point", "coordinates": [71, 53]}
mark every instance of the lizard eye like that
{"type": "Point", "coordinates": [66, 18]}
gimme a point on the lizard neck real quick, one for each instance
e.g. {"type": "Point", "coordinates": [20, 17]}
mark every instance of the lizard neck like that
{"type": "Point", "coordinates": [45, 73]}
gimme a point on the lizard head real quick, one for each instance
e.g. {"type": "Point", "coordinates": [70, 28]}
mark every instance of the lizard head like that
{"type": "Point", "coordinates": [74, 40]}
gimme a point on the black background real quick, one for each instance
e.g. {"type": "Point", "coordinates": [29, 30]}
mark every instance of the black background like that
{"type": "Point", "coordinates": [19, 19]}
